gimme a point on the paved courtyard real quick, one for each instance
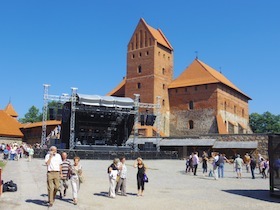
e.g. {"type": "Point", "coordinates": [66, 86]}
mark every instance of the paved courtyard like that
{"type": "Point", "coordinates": [169, 188]}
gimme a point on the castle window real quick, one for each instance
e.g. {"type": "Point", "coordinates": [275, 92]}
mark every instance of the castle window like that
{"type": "Point", "coordinates": [195, 88]}
{"type": "Point", "coordinates": [176, 90]}
{"type": "Point", "coordinates": [234, 109]}
{"type": "Point", "coordinates": [132, 56]}
{"type": "Point", "coordinates": [131, 46]}
{"type": "Point", "coordinates": [138, 85]}
{"type": "Point", "coordinates": [139, 69]}
{"type": "Point", "coordinates": [243, 113]}
{"type": "Point", "coordinates": [146, 39]}
{"type": "Point", "coordinates": [140, 54]}
{"type": "Point", "coordinates": [225, 106]}
{"type": "Point", "coordinates": [206, 87]}
{"type": "Point", "coordinates": [136, 41]}
{"type": "Point", "coordinates": [163, 86]}
{"type": "Point", "coordinates": [147, 53]}
{"type": "Point", "coordinates": [141, 37]}
{"type": "Point", "coordinates": [158, 53]}
{"type": "Point", "coordinates": [168, 57]}
{"type": "Point", "coordinates": [186, 89]}
{"type": "Point", "coordinates": [163, 55]}
{"type": "Point", "coordinates": [163, 102]}
{"type": "Point", "coordinates": [190, 124]}
{"type": "Point", "coordinates": [191, 105]}
{"type": "Point", "coordinates": [163, 70]}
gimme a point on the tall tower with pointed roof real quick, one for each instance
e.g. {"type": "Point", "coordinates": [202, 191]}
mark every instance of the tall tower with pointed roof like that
{"type": "Point", "coordinates": [149, 67]}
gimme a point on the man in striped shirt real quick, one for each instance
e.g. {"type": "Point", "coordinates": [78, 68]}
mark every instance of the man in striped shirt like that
{"type": "Point", "coordinates": [65, 174]}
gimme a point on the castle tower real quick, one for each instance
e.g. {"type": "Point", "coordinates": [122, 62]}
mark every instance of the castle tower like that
{"type": "Point", "coordinates": [150, 68]}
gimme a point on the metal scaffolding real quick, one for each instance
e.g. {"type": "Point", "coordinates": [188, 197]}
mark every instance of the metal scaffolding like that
{"type": "Point", "coordinates": [138, 105]}
{"type": "Point", "coordinates": [63, 98]}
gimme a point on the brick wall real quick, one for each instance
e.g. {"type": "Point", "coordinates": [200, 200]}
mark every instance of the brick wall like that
{"type": "Point", "coordinates": [208, 101]}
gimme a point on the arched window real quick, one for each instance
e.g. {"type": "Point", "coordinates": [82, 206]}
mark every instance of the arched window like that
{"type": "Point", "coordinates": [190, 124]}
{"type": "Point", "coordinates": [163, 71]}
{"type": "Point", "coordinates": [138, 85]}
{"type": "Point", "coordinates": [191, 105]}
{"type": "Point", "coordinates": [225, 105]}
{"type": "Point", "coordinates": [163, 102]}
{"type": "Point", "coordinates": [139, 69]}
{"type": "Point", "coordinates": [163, 86]}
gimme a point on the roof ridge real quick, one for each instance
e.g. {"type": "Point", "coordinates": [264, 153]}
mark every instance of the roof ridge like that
{"type": "Point", "coordinates": [164, 37]}
{"type": "Point", "coordinates": [150, 28]}
{"type": "Point", "coordinates": [230, 84]}
{"type": "Point", "coordinates": [200, 62]}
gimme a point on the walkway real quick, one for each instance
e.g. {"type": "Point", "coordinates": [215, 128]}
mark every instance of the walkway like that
{"type": "Point", "coordinates": [168, 188]}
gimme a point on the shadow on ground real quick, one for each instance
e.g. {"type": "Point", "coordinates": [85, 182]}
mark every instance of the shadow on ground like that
{"type": "Point", "coordinates": [102, 194]}
{"type": "Point", "coordinates": [263, 195]}
{"type": "Point", "coordinates": [37, 201]}
{"type": "Point", "coordinates": [105, 194]}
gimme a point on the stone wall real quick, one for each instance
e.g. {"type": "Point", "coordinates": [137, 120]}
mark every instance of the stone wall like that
{"type": "Point", "coordinates": [9, 140]}
{"type": "Point", "coordinates": [204, 122]}
{"type": "Point", "coordinates": [262, 140]}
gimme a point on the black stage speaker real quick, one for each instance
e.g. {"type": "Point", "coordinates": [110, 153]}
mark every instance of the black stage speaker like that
{"type": "Point", "coordinates": [59, 114]}
{"type": "Point", "coordinates": [142, 119]}
{"type": "Point", "coordinates": [150, 119]}
{"type": "Point", "coordinates": [51, 113]}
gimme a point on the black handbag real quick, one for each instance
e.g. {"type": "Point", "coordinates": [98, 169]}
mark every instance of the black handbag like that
{"type": "Point", "coordinates": [145, 178]}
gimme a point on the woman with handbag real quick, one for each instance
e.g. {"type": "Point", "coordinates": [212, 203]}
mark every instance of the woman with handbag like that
{"type": "Point", "coordinates": [75, 178]}
{"type": "Point", "coordinates": [141, 174]}
{"type": "Point", "coordinates": [113, 171]}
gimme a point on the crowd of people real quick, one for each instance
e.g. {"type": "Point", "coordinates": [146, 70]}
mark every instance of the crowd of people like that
{"type": "Point", "coordinates": [15, 151]}
{"type": "Point", "coordinates": [117, 172]}
{"type": "Point", "coordinates": [60, 171]}
{"type": "Point", "coordinates": [218, 160]}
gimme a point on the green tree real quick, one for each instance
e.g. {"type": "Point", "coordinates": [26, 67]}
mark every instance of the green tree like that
{"type": "Point", "coordinates": [33, 115]}
{"type": "Point", "coordinates": [265, 123]}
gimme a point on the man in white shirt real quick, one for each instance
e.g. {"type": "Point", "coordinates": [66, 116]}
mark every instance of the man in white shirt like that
{"type": "Point", "coordinates": [53, 161]}
{"type": "Point", "coordinates": [215, 163]}
{"type": "Point", "coordinates": [123, 174]}
{"type": "Point", "coordinates": [195, 161]}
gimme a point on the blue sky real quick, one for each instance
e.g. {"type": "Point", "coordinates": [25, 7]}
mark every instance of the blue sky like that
{"type": "Point", "coordinates": [70, 43]}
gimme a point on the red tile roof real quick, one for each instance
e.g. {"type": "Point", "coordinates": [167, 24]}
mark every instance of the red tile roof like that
{"type": "Point", "coordinates": [199, 73]}
{"type": "Point", "coordinates": [118, 89]}
{"type": "Point", "coordinates": [39, 124]}
{"type": "Point", "coordinates": [158, 35]}
{"type": "Point", "coordinates": [9, 126]}
{"type": "Point", "coordinates": [10, 110]}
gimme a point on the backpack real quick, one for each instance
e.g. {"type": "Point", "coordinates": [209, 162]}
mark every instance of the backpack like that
{"type": "Point", "coordinates": [10, 187]}
{"type": "Point", "coordinates": [265, 164]}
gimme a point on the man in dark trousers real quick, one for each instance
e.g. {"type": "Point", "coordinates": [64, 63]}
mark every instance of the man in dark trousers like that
{"type": "Point", "coordinates": [253, 164]}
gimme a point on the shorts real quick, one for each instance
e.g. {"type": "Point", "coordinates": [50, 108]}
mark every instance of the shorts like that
{"type": "Point", "coordinates": [238, 170]}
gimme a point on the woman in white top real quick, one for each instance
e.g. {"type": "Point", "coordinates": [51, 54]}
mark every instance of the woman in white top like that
{"type": "Point", "coordinates": [75, 172]}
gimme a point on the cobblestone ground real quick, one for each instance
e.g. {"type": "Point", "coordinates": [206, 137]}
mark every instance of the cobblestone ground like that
{"type": "Point", "coordinates": [169, 187]}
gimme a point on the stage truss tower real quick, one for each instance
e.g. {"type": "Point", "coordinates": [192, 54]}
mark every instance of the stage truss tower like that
{"type": "Point", "coordinates": [63, 98]}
